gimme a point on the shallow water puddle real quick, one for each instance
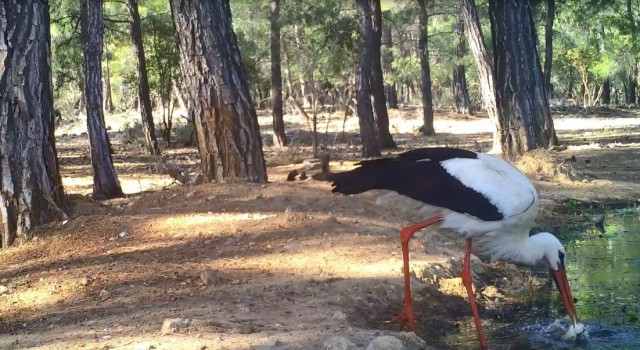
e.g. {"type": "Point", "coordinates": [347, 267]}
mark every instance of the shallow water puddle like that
{"type": "Point", "coordinates": [604, 273]}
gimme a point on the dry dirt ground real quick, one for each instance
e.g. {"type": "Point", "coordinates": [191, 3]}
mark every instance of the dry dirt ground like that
{"type": "Point", "coordinates": [286, 265]}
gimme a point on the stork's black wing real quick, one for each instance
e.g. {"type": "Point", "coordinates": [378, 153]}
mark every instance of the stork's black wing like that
{"type": "Point", "coordinates": [420, 175]}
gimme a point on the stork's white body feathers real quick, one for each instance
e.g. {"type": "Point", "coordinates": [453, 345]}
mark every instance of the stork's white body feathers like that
{"type": "Point", "coordinates": [513, 195]}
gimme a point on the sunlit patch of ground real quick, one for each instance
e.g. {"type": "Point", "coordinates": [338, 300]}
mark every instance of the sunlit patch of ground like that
{"type": "Point", "coordinates": [291, 261]}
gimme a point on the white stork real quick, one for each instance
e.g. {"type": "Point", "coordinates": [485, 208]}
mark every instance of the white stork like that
{"type": "Point", "coordinates": [480, 197]}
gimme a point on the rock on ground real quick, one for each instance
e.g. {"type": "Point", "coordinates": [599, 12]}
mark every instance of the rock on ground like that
{"type": "Point", "coordinates": [172, 325]}
{"type": "Point", "coordinates": [338, 343]}
{"type": "Point", "coordinates": [386, 342]}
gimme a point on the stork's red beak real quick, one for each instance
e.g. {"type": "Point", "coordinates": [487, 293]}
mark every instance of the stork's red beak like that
{"type": "Point", "coordinates": [562, 283]}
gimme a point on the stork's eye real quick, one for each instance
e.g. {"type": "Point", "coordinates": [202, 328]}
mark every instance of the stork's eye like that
{"type": "Point", "coordinates": [561, 256]}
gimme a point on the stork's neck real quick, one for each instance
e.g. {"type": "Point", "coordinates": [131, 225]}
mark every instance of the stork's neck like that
{"type": "Point", "coordinates": [518, 248]}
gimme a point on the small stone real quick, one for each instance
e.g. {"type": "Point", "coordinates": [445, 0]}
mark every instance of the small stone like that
{"type": "Point", "coordinates": [338, 343]}
{"type": "Point", "coordinates": [123, 234]}
{"type": "Point", "coordinates": [143, 346]}
{"type": "Point", "coordinates": [209, 277]}
{"type": "Point", "coordinates": [105, 294]}
{"type": "Point", "coordinates": [339, 315]}
{"type": "Point", "coordinates": [85, 281]}
{"type": "Point", "coordinates": [230, 241]}
{"type": "Point", "coordinates": [412, 341]}
{"type": "Point", "coordinates": [172, 325]}
{"type": "Point", "coordinates": [107, 337]}
{"type": "Point", "coordinates": [272, 344]}
{"type": "Point", "coordinates": [3, 289]}
{"type": "Point", "coordinates": [386, 342]}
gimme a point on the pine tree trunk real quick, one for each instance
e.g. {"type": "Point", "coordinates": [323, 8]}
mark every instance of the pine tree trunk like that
{"type": "Point", "coordinates": [387, 63]}
{"type": "Point", "coordinates": [633, 77]}
{"type": "Point", "coordinates": [370, 147]}
{"type": "Point", "coordinates": [105, 180]}
{"type": "Point", "coordinates": [146, 110]}
{"type": "Point", "coordinates": [460, 90]}
{"type": "Point", "coordinates": [425, 70]}
{"type": "Point", "coordinates": [108, 102]}
{"type": "Point", "coordinates": [279, 138]}
{"type": "Point", "coordinates": [31, 191]}
{"type": "Point", "coordinates": [484, 65]}
{"type": "Point", "coordinates": [548, 44]}
{"type": "Point", "coordinates": [521, 97]}
{"type": "Point", "coordinates": [218, 96]}
{"type": "Point", "coordinates": [606, 92]}
{"type": "Point", "coordinates": [381, 116]}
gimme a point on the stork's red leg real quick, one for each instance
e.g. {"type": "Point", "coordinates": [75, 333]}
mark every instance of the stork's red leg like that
{"type": "Point", "coordinates": [467, 280]}
{"type": "Point", "coordinates": [406, 316]}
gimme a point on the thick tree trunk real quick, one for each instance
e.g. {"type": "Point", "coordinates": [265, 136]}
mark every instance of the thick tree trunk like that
{"type": "Point", "coordinates": [146, 111]}
{"type": "Point", "coordinates": [425, 70]}
{"type": "Point", "coordinates": [521, 97]}
{"type": "Point", "coordinates": [548, 44]}
{"type": "Point", "coordinates": [385, 140]}
{"type": "Point", "coordinates": [370, 147]}
{"type": "Point", "coordinates": [484, 65]}
{"type": "Point", "coordinates": [105, 180]}
{"type": "Point", "coordinates": [279, 137]}
{"type": "Point", "coordinates": [460, 90]}
{"type": "Point", "coordinates": [633, 77]}
{"type": "Point", "coordinates": [225, 118]}
{"type": "Point", "coordinates": [31, 191]}
{"type": "Point", "coordinates": [387, 63]}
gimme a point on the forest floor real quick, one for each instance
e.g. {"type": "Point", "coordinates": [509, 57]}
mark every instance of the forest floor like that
{"type": "Point", "coordinates": [286, 265]}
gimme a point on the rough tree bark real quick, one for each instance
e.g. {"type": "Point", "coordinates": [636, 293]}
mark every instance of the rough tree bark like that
{"type": "Point", "coordinates": [381, 116]}
{"type": "Point", "coordinates": [146, 111]}
{"type": "Point", "coordinates": [548, 45]}
{"type": "Point", "coordinates": [31, 191]}
{"type": "Point", "coordinates": [521, 94]}
{"type": "Point", "coordinates": [390, 90]}
{"type": "Point", "coordinates": [225, 118]}
{"type": "Point", "coordinates": [425, 70]}
{"type": "Point", "coordinates": [105, 180]}
{"type": "Point", "coordinates": [460, 90]}
{"type": "Point", "coordinates": [279, 137]}
{"type": "Point", "coordinates": [484, 65]}
{"type": "Point", "coordinates": [370, 147]}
